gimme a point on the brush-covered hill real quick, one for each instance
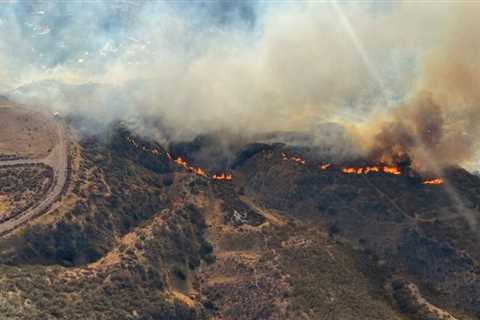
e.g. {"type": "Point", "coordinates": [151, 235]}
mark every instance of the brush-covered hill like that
{"type": "Point", "coordinates": [139, 235]}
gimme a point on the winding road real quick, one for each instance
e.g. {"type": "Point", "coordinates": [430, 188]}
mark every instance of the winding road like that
{"type": "Point", "coordinates": [58, 161]}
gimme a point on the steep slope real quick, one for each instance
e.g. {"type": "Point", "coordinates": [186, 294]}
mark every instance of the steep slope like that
{"type": "Point", "coordinates": [416, 231]}
{"type": "Point", "coordinates": [141, 236]}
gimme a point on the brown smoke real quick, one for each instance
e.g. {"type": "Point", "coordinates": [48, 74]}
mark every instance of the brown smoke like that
{"type": "Point", "coordinates": [441, 120]}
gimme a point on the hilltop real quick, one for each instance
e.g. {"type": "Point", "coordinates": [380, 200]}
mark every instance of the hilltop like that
{"type": "Point", "coordinates": [136, 235]}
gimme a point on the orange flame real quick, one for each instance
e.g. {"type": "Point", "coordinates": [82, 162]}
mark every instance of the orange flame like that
{"type": "Point", "coordinates": [181, 162]}
{"type": "Point", "coordinates": [201, 172]}
{"type": "Point", "coordinates": [349, 170]}
{"type": "Point", "coordinates": [285, 157]}
{"type": "Point", "coordinates": [222, 176]}
{"type": "Point", "coordinates": [198, 171]}
{"type": "Point", "coordinates": [369, 169]}
{"type": "Point", "coordinates": [392, 170]}
{"type": "Point", "coordinates": [144, 148]}
{"type": "Point", "coordinates": [433, 181]}
{"type": "Point", "coordinates": [297, 159]}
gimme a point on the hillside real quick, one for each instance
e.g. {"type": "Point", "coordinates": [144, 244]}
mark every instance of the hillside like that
{"type": "Point", "coordinates": [138, 236]}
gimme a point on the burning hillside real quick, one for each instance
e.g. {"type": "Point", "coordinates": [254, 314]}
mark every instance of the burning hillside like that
{"type": "Point", "coordinates": [433, 181]}
{"type": "Point", "coordinates": [356, 170]}
{"type": "Point", "coordinates": [372, 169]}
{"type": "Point", "coordinates": [239, 160]}
{"type": "Point", "coordinates": [201, 172]}
{"type": "Point", "coordinates": [294, 217]}
{"type": "Point", "coordinates": [364, 170]}
{"type": "Point", "coordinates": [180, 161]}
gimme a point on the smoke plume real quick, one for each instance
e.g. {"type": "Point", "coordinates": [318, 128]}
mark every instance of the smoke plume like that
{"type": "Point", "coordinates": [404, 74]}
{"type": "Point", "coordinates": [440, 120]}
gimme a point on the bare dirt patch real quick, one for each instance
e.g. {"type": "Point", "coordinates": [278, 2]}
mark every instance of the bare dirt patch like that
{"type": "Point", "coordinates": [25, 133]}
{"type": "Point", "coordinates": [4, 204]}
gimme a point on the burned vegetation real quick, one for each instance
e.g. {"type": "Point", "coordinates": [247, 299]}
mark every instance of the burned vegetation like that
{"type": "Point", "coordinates": [141, 235]}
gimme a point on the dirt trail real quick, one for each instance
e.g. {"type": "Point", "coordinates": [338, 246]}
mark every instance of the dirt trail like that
{"type": "Point", "coordinates": [58, 160]}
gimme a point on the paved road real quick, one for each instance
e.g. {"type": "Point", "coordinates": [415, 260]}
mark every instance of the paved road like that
{"type": "Point", "coordinates": [58, 160]}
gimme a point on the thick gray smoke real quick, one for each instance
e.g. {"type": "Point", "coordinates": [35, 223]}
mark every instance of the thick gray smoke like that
{"type": "Point", "coordinates": [241, 67]}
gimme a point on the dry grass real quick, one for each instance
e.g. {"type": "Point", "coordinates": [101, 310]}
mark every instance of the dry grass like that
{"type": "Point", "coordinates": [25, 133]}
{"type": "Point", "coordinates": [183, 298]}
{"type": "Point", "coordinates": [4, 204]}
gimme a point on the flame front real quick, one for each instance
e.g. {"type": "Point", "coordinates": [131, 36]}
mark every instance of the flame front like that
{"type": "Point", "coordinates": [369, 169]}
{"type": "Point", "coordinates": [181, 162]}
{"type": "Point", "coordinates": [144, 148]}
{"type": "Point", "coordinates": [349, 170]}
{"type": "Point", "coordinates": [198, 171]}
{"type": "Point", "coordinates": [433, 181]}
{"type": "Point", "coordinates": [222, 176]}
{"type": "Point", "coordinates": [392, 170]}
{"type": "Point", "coordinates": [201, 172]}
{"type": "Point", "coordinates": [296, 159]}
{"type": "Point", "coordinates": [285, 157]}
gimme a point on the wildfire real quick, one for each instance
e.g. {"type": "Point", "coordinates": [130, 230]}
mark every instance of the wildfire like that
{"type": "Point", "coordinates": [285, 157]}
{"type": "Point", "coordinates": [181, 162]}
{"type": "Point", "coordinates": [222, 176]}
{"type": "Point", "coordinates": [369, 169]}
{"type": "Point", "coordinates": [325, 166]}
{"type": "Point", "coordinates": [197, 171]}
{"type": "Point", "coordinates": [392, 170]}
{"type": "Point", "coordinates": [201, 172]}
{"type": "Point", "coordinates": [349, 170]}
{"type": "Point", "coordinates": [153, 151]}
{"type": "Point", "coordinates": [433, 181]}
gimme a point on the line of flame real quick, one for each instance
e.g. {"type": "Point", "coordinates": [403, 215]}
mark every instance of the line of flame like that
{"type": "Point", "coordinates": [433, 181]}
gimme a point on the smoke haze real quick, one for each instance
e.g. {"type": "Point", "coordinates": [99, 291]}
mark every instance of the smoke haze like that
{"type": "Point", "coordinates": [439, 118]}
{"type": "Point", "coordinates": [400, 76]}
